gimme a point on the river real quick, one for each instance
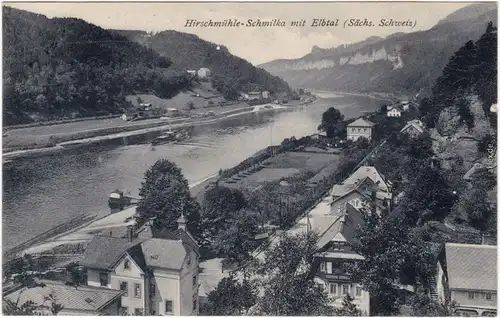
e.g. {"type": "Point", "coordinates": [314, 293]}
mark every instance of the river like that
{"type": "Point", "coordinates": [43, 192]}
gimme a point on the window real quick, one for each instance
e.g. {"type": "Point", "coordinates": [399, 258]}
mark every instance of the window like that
{"type": "Point", "coordinates": [103, 279]}
{"type": "Point", "coordinates": [471, 295]}
{"type": "Point", "coordinates": [138, 312]}
{"type": "Point", "coordinates": [124, 287]}
{"type": "Point", "coordinates": [345, 289]}
{"type": "Point", "coordinates": [169, 306]}
{"type": "Point", "coordinates": [338, 246]}
{"type": "Point", "coordinates": [152, 290]}
{"type": "Point", "coordinates": [358, 291]}
{"type": "Point", "coordinates": [333, 288]}
{"type": "Point", "coordinates": [189, 260]}
{"type": "Point", "coordinates": [195, 280]}
{"type": "Point", "coordinates": [488, 296]}
{"type": "Point", "coordinates": [366, 129]}
{"type": "Point", "coordinates": [322, 266]}
{"type": "Point", "coordinates": [126, 264]}
{"type": "Point", "coordinates": [329, 267]}
{"type": "Point", "coordinates": [137, 290]}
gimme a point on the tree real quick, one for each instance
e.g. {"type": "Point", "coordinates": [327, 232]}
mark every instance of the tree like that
{"type": "Point", "coordinates": [237, 239]}
{"type": "Point", "coordinates": [332, 122]}
{"type": "Point", "coordinates": [393, 256]}
{"type": "Point", "coordinates": [230, 298]}
{"type": "Point", "coordinates": [474, 205]}
{"type": "Point", "coordinates": [76, 275]}
{"type": "Point", "coordinates": [164, 195]}
{"type": "Point", "coordinates": [427, 197]}
{"type": "Point", "coordinates": [219, 205]}
{"type": "Point", "coordinates": [190, 105]}
{"type": "Point", "coordinates": [423, 306]}
{"type": "Point", "coordinates": [23, 269]}
{"type": "Point", "coordinates": [288, 289]}
{"type": "Point", "coordinates": [348, 307]}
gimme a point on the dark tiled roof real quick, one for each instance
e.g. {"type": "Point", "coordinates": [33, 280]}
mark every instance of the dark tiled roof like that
{"type": "Point", "coordinates": [361, 122]}
{"type": "Point", "coordinates": [85, 298]}
{"type": "Point", "coordinates": [152, 247]}
{"type": "Point", "coordinates": [104, 251]}
{"type": "Point", "coordinates": [343, 227]}
{"type": "Point", "coordinates": [472, 267]}
{"type": "Point", "coordinates": [164, 253]}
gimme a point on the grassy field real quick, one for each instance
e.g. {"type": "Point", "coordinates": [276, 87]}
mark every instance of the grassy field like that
{"type": "Point", "coordinates": [285, 165]}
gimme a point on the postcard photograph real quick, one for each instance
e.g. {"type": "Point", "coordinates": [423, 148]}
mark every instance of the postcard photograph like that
{"type": "Point", "coordinates": [249, 158]}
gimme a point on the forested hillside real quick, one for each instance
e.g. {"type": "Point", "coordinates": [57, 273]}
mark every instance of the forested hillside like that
{"type": "Point", "coordinates": [472, 70]}
{"type": "Point", "coordinates": [463, 129]}
{"type": "Point", "coordinates": [65, 67]}
{"type": "Point", "coordinates": [231, 74]}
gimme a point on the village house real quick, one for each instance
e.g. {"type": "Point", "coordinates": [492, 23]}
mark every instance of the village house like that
{"type": "Point", "coordinates": [156, 270]}
{"type": "Point", "coordinates": [204, 72]}
{"type": "Point", "coordinates": [75, 301]}
{"type": "Point", "coordinates": [253, 96]}
{"type": "Point", "coordinates": [334, 250]}
{"type": "Point", "coordinates": [360, 128]}
{"type": "Point", "coordinates": [413, 128]}
{"type": "Point", "coordinates": [366, 186]}
{"type": "Point", "coordinates": [320, 135]}
{"type": "Point", "coordinates": [394, 111]}
{"type": "Point", "coordinates": [467, 275]}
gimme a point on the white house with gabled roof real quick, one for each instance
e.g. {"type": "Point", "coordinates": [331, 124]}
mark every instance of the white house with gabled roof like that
{"type": "Point", "coordinates": [360, 128]}
{"type": "Point", "coordinates": [156, 270]}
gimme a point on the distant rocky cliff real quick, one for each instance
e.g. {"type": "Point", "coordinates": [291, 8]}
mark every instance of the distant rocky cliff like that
{"type": "Point", "coordinates": [400, 63]}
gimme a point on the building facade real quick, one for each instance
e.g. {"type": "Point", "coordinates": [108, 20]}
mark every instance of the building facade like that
{"type": "Point", "coordinates": [394, 112]}
{"type": "Point", "coordinates": [360, 128]}
{"type": "Point", "coordinates": [334, 251]}
{"type": "Point", "coordinates": [362, 188]}
{"type": "Point", "coordinates": [156, 270]}
{"type": "Point", "coordinates": [466, 275]}
{"type": "Point", "coordinates": [413, 128]}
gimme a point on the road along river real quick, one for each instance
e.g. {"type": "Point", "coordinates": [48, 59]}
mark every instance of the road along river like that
{"type": "Point", "coordinates": [42, 192]}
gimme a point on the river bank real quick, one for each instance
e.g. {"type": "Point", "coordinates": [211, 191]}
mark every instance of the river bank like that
{"type": "Point", "coordinates": [63, 140]}
{"type": "Point", "coordinates": [58, 187]}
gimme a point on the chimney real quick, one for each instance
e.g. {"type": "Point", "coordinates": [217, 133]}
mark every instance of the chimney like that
{"type": "Point", "coordinates": [130, 230]}
{"type": "Point", "coordinates": [181, 222]}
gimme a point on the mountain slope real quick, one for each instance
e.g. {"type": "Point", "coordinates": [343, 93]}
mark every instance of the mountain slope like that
{"type": "Point", "coordinates": [64, 67]}
{"type": "Point", "coordinates": [231, 74]}
{"type": "Point", "coordinates": [401, 63]}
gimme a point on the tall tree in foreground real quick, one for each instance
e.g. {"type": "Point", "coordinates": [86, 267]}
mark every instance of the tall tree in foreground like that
{"type": "Point", "coordinates": [165, 194]}
{"type": "Point", "coordinates": [230, 298]}
{"type": "Point", "coordinates": [288, 289]}
{"type": "Point", "coordinates": [237, 240]}
{"type": "Point", "coordinates": [219, 205]}
{"type": "Point", "coordinates": [393, 256]}
{"type": "Point", "coordinates": [332, 122]}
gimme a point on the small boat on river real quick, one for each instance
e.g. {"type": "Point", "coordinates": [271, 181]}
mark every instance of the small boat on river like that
{"type": "Point", "coordinates": [167, 137]}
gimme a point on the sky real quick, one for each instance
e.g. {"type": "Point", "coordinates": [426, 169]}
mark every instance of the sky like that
{"type": "Point", "coordinates": [255, 44]}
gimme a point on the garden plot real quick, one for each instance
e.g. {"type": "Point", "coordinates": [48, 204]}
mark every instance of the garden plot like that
{"type": "Point", "coordinates": [282, 166]}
